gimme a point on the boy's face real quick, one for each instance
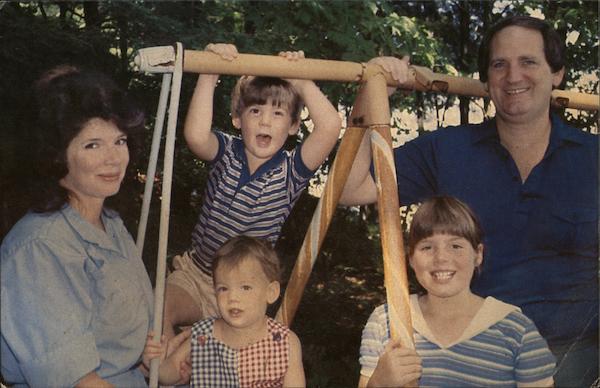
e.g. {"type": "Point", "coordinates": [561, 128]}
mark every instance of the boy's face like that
{"type": "Point", "coordinates": [265, 128]}
{"type": "Point", "coordinates": [243, 293]}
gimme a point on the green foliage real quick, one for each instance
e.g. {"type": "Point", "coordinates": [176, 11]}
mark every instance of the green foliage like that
{"type": "Point", "coordinates": [347, 279]}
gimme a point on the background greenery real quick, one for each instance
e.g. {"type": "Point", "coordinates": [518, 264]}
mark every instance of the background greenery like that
{"type": "Point", "coordinates": [347, 279]}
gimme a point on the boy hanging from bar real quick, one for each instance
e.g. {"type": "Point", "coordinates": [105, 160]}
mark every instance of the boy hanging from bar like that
{"type": "Point", "coordinates": [253, 183]}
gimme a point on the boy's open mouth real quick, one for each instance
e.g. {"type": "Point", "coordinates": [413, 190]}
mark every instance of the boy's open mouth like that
{"type": "Point", "coordinates": [263, 140]}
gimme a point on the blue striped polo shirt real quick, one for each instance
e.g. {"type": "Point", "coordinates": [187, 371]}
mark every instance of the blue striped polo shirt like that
{"type": "Point", "coordinates": [501, 347]}
{"type": "Point", "coordinates": [237, 203]}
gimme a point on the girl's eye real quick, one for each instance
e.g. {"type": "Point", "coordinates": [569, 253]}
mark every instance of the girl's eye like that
{"type": "Point", "coordinates": [279, 113]}
{"type": "Point", "coordinates": [221, 289]}
{"type": "Point", "coordinates": [254, 110]}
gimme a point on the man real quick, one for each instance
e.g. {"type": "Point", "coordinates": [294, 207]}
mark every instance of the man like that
{"type": "Point", "coordinates": [532, 180]}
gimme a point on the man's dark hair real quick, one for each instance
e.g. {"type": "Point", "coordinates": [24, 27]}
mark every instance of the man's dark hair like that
{"type": "Point", "coordinates": [554, 46]}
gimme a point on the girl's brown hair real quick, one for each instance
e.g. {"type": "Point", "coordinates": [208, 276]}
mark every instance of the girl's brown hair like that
{"type": "Point", "coordinates": [446, 215]}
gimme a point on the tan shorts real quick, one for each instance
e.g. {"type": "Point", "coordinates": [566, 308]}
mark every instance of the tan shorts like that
{"type": "Point", "coordinates": [196, 283]}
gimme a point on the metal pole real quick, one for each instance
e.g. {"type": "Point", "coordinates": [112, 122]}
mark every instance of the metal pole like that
{"type": "Point", "coordinates": [161, 267]}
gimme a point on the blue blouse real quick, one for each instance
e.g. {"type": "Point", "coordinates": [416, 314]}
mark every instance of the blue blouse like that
{"type": "Point", "coordinates": [74, 300]}
{"type": "Point", "coordinates": [541, 236]}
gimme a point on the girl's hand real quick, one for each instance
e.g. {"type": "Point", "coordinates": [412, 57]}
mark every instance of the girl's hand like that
{"type": "Point", "coordinates": [397, 366]}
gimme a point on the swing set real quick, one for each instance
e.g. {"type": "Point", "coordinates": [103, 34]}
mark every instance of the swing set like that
{"type": "Point", "coordinates": [370, 111]}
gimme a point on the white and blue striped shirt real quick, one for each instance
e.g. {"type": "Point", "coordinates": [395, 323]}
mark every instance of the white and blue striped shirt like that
{"type": "Point", "coordinates": [501, 347]}
{"type": "Point", "coordinates": [237, 203]}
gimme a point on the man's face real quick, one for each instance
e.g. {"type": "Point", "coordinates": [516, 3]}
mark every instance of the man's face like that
{"type": "Point", "coordinates": [520, 80]}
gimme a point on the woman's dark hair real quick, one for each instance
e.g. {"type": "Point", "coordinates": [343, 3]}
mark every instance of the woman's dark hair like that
{"type": "Point", "coordinates": [66, 98]}
{"type": "Point", "coordinates": [554, 46]}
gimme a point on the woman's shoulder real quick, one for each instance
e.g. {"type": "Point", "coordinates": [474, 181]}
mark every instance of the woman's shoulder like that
{"type": "Point", "coordinates": [32, 227]}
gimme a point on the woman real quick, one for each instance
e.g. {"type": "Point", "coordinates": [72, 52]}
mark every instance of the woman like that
{"type": "Point", "coordinates": [76, 298]}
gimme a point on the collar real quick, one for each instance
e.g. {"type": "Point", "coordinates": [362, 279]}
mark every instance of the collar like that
{"type": "Point", "coordinates": [240, 153]}
{"type": "Point", "coordinates": [87, 231]}
{"type": "Point", "coordinates": [560, 133]}
{"type": "Point", "coordinates": [492, 311]}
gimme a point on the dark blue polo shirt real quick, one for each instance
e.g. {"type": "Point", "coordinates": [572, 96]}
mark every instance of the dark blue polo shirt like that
{"type": "Point", "coordinates": [541, 236]}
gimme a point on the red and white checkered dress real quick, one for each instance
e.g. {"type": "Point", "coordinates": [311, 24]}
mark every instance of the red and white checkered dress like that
{"type": "Point", "coordinates": [262, 364]}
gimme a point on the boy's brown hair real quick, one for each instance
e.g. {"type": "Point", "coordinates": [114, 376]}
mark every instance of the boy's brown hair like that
{"type": "Point", "coordinates": [250, 90]}
{"type": "Point", "coordinates": [240, 248]}
{"type": "Point", "coordinates": [446, 215]}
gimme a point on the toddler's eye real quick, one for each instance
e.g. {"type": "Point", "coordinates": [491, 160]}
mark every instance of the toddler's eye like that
{"type": "Point", "coordinates": [246, 288]}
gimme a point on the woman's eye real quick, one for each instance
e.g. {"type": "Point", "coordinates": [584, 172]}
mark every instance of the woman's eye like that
{"type": "Point", "coordinates": [91, 146]}
{"type": "Point", "coordinates": [122, 141]}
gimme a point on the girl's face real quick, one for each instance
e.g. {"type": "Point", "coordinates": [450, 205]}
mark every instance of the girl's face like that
{"type": "Point", "coordinates": [243, 293]}
{"type": "Point", "coordinates": [97, 159]}
{"type": "Point", "coordinates": [444, 264]}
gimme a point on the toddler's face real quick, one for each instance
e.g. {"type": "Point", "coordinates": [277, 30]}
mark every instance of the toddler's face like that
{"type": "Point", "coordinates": [243, 293]}
{"type": "Point", "coordinates": [444, 264]}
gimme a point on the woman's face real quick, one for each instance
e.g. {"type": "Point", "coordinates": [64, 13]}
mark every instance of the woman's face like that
{"type": "Point", "coordinates": [96, 158]}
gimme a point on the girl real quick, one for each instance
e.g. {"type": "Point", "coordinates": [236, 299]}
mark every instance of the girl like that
{"type": "Point", "coordinates": [461, 339]}
{"type": "Point", "coordinates": [244, 347]}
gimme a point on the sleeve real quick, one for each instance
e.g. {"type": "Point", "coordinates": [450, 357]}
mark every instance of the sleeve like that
{"type": "Point", "coordinates": [299, 175]}
{"type": "Point", "coordinates": [372, 342]}
{"type": "Point", "coordinates": [416, 170]}
{"type": "Point", "coordinates": [47, 313]}
{"type": "Point", "coordinates": [223, 139]}
{"type": "Point", "coordinates": [534, 362]}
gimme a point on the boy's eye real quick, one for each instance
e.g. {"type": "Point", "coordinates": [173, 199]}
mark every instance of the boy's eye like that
{"type": "Point", "coordinates": [425, 247]}
{"type": "Point", "coordinates": [456, 246]}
